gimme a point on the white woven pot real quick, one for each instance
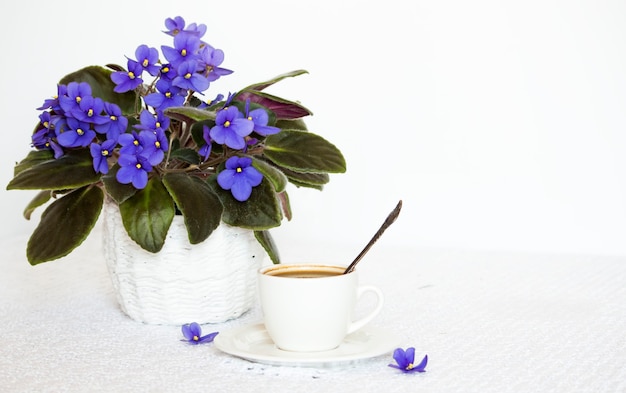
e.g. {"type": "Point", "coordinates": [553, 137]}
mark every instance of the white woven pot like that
{"type": "Point", "coordinates": [210, 282]}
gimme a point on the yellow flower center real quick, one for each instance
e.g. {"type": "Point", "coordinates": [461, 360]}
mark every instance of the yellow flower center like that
{"type": "Point", "coordinates": [249, 117]}
{"type": "Point", "coordinates": [80, 132]}
{"type": "Point", "coordinates": [188, 75]}
{"type": "Point", "coordinates": [145, 62]}
{"type": "Point", "coordinates": [138, 166]}
{"type": "Point", "coordinates": [113, 117]}
{"type": "Point", "coordinates": [78, 99]}
{"type": "Point", "coordinates": [168, 94]}
{"type": "Point", "coordinates": [239, 170]}
{"type": "Point", "coordinates": [131, 75]}
{"type": "Point", "coordinates": [183, 52]}
{"type": "Point", "coordinates": [105, 153]}
{"type": "Point", "coordinates": [196, 338]}
{"type": "Point", "coordinates": [158, 124]}
{"type": "Point", "coordinates": [165, 70]}
{"type": "Point", "coordinates": [226, 123]}
{"type": "Point", "coordinates": [157, 144]}
{"type": "Point", "coordinates": [46, 124]}
{"type": "Point", "coordinates": [136, 142]}
{"type": "Point", "coordinates": [410, 366]}
{"type": "Point", "coordinates": [90, 112]}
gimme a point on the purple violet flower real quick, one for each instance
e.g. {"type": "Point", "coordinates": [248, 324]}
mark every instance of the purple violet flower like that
{"type": "Point", "coordinates": [133, 169]}
{"type": "Point", "coordinates": [166, 96]}
{"type": "Point", "coordinates": [189, 79]}
{"type": "Point", "coordinates": [89, 110]}
{"type": "Point", "coordinates": [405, 361]}
{"type": "Point", "coordinates": [43, 141]}
{"type": "Point", "coordinates": [167, 73]}
{"type": "Point", "coordinates": [100, 154]}
{"type": "Point", "coordinates": [205, 151]}
{"type": "Point", "coordinates": [193, 334]}
{"type": "Point", "coordinates": [56, 148]}
{"type": "Point", "coordinates": [74, 94]}
{"type": "Point", "coordinates": [148, 58]}
{"type": "Point", "coordinates": [239, 177]}
{"type": "Point", "coordinates": [154, 145]}
{"type": "Point", "coordinates": [197, 29]}
{"type": "Point", "coordinates": [185, 48]}
{"type": "Point", "coordinates": [212, 58]}
{"type": "Point", "coordinates": [45, 121]}
{"type": "Point", "coordinates": [78, 134]}
{"type": "Point", "coordinates": [260, 119]}
{"type": "Point", "coordinates": [174, 25]}
{"type": "Point", "coordinates": [42, 138]}
{"type": "Point", "coordinates": [130, 143]}
{"type": "Point", "coordinates": [217, 99]}
{"type": "Point", "coordinates": [116, 122]}
{"type": "Point", "coordinates": [231, 128]}
{"type": "Point", "coordinates": [151, 122]}
{"type": "Point", "coordinates": [128, 80]}
{"type": "Point", "coordinates": [53, 103]}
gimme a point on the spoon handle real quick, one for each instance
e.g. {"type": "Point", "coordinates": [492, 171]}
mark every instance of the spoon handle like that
{"type": "Point", "coordinates": [388, 221]}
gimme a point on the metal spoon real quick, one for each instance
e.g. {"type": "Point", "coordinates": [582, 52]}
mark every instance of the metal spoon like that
{"type": "Point", "coordinates": [388, 221]}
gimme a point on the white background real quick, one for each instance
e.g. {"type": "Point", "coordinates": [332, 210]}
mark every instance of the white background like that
{"type": "Point", "coordinates": [499, 124]}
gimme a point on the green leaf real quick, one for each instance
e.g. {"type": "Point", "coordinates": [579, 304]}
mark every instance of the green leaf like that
{"type": "Point", "coordinates": [200, 207]}
{"type": "Point", "coordinates": [270, 172]}
{"type": "Point", "coordinates": [148, 214]}
{"type": "Point", "coordinates": [34, 157]}
{"type": "Point", "coordinates": [304, 152]}
{"type": "Point", "coordinates": [116, 190]}
{"type": "Point", "coordinates": [189, 156]}
{"type": "Point", "coordinates": [73, 170]}
{"type": "Point", "coordinates": [262, 85]}
{"type": "Point", "coordinates": [292, 124]}
{"type": "Point", "coordinates": [99, 78]}
{"type": "Point", "coordinates": [64, 225]}
{"type": "Point", "coordinates": [282, 108]}
{"type": "Point", "coordinates": [189, 114]}
{"type": "Point", "coordinates": [313, 180]}
{"type": "Point", "coordinates": [40, 199]}
{"type": "Point", "coordinates": [265, 239]}
{"type": "Point", "coordinates": [115, 67]}
{"type": "Point", "coordinates": [306, 185]}
{"type": "Point", "coordinates": [260, 212]}
{"type": "Point", "coordinates": [283, 198]}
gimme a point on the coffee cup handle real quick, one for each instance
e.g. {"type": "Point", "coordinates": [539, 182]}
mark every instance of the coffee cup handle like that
{"type": "Point", "coordinates": [358, 324]}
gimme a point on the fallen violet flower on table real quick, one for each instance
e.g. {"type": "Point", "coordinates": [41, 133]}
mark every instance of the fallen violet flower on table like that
{"type": "Point", "coordinates": [406, 361]}
{"type": "Point", "coordinates": [193, 334]}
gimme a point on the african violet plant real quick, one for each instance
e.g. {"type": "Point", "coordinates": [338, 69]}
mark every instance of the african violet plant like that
{"type": "Point", "coordinates": [146, 138]}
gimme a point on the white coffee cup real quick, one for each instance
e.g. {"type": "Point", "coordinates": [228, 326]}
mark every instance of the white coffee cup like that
{"type": "Point", "coordinates": [310, 307]}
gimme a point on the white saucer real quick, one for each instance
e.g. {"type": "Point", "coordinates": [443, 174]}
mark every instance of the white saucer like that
{"type": "Point", "coordinates": [253, 343]}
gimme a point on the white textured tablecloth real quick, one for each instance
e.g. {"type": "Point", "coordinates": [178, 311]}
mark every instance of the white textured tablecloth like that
{"type": "Point", "coordinates": [489, 322]}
